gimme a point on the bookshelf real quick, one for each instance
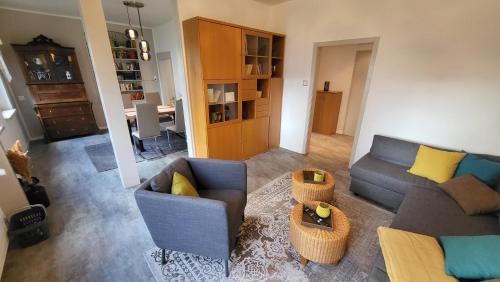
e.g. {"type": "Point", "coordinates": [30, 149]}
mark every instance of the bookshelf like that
{"type": "Point", "coordinates": [128, 70]}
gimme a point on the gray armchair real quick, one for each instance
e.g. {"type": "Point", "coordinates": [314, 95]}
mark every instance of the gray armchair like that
{"type": "Point", "coordinates": [207, 225]}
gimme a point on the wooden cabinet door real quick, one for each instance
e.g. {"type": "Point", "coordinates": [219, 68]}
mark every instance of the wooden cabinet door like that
{"type": "Point", "coordinates": [276, 99]}
{"type": "Point", "coordinates": [326, 112]}
{"type": "Point", "coordinates": [220, 47]}
{"type": "Point", "coordinates": [224, 142]}
{"type": "Point", "coordinates": [255, 136]}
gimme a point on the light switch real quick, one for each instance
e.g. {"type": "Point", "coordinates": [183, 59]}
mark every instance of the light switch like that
{"type": "Point", "coordinates": [304, 82]}
{"type": "Point", "coordinates": [21, 98]}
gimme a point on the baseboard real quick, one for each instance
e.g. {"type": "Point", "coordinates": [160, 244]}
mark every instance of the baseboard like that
{"type": "Point", "coordinates": [35, 138]}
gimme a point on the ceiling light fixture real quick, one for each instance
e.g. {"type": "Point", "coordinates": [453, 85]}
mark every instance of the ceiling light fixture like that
{"type": "Point", "coordinates": [143, 44]}
{"type": "Point", "coordinates": [130, 32]}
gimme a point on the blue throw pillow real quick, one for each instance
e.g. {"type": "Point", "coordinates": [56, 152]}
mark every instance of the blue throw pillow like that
{"type": "Point", "coordinates": [483, 169]}
{"type": "Point", "coordinates": [472, 257]}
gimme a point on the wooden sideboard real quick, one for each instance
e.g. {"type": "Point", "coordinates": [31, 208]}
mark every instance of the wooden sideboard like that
{"type": "Point", "coordinates": [236, 86]}
{"type": "Point", "coordinates": [326, 112]}
{"type": "Point", "coordinates": [53, 78]}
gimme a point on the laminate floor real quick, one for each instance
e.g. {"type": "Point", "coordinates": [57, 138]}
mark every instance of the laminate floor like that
{"type": "Point", "coordinates": [97, 232]}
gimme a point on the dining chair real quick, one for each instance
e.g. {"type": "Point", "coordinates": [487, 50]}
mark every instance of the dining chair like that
{"type": "Point", "coordinates": [153, 98]}
{"type": "Point", "coordinates": [148, 123]}
{"type": "Point", "coordinates": [177, 125]}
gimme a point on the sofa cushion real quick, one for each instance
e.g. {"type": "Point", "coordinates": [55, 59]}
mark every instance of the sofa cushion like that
{"type": "Point", "coordinates": [430, 211]}
{"type": "Point", "coordinates": [436, 165]}
{"type": "Point", "coordinates": [412, 257]}
{"type": "Point", "coordinates": [386, 174]}
{"type": "Point", "coordinates": [472, 195]}
{"type": "Point", "coordinates": [235, 201]}
{"type": "Point", "coordinates": [162, 182]}
{"type": "Point", "coordinates": [484, 169]}
{"type": "Point", "coordinates": [181, 186]}
{"type": "Point", "coordinates": [394, 150]}
{"type": "Point", "coordinates": [472, 257]}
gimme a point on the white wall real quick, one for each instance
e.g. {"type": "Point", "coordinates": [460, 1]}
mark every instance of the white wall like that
{"type": "Point", "coordinates": [243, 12]}
{"type": "Point", "coordinates": [335, 64]}
{"type": "Point", "coordinates": [66, 31]}
{"type": "Point", "coordinates": [435, 76]}
{"type": "Point", "coordinates": [63, 30]}
{"type": "Point", "coordinates": [358, 83]}
{"type": "Point", "coordinates": [168, 39]}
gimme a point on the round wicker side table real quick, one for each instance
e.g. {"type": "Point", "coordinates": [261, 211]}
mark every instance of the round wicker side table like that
{"type": "Point", "coordinates": [302, 192]}
{"type": "Point", "coordinates": [318, 245]}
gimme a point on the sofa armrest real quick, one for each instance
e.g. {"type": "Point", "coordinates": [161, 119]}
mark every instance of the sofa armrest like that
{"type": "Point", "coordinates": [218, 174]}
{"type": "Point", "coordinates": [186, 224]}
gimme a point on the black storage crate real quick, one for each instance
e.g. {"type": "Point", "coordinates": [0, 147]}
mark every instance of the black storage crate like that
{"type": "Point", "coordinates": [29, 226]}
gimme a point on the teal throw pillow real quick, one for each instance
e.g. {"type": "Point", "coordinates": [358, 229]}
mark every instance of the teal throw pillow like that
{"type": "Point", "coordinates": [485, 170]}
{"type": "Point", "coordinates": [472, 257]}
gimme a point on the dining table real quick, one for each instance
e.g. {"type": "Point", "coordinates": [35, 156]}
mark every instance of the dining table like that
{"type": "Point", "coordinates": [131, 115]}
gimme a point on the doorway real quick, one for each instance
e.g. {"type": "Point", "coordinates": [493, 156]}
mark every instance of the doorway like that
{"type": "Point", "coordinates": [166, 78]}
{"type": "Point", "coordinates": [341, 72]}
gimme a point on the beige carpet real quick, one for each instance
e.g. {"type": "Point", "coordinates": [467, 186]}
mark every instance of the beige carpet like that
{"type": "Point", "coordinates": [264, 252]}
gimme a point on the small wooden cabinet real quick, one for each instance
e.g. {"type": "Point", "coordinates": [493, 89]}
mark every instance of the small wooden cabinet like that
{"type": "Point", "coordinates": [326, 112]}
{"type": "Point", "coordinates": [230, 77]}
{"type": "Point", "coordinates": [53, 77]}
{"type": "Point", "coordinates": [254, 136]}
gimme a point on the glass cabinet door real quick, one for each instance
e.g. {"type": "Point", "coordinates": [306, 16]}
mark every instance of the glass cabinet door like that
{"type": "Point", "coordinates": [256, 54]}
{"type": "Point", "coordinates": [65, 68]}
{"type": "Point", "coordinates": [38, 68]}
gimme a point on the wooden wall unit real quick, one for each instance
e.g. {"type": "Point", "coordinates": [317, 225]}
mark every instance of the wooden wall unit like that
{"type": "Point", "coordinates": [233, 75]}
{"type": "Point", "coordinates": [53, 77]}
{"type": "Point", "coordinates": [326, 112]}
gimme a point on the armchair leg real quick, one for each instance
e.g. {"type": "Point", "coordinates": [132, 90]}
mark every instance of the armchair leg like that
{"type": "Point", "coordinates": [227, 267]}
{"type": "Point", "coordinates": [163, 257]}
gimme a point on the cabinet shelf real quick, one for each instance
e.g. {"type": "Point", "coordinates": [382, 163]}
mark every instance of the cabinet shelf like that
{"type": "Point", "coordinates": [130, 80]}
{"type": "Point", "coordinates": [124, 48]}
{"type": "Point", "coordinates": [133, 91]}
{"type": "Point", "coordinates": [127, 60]}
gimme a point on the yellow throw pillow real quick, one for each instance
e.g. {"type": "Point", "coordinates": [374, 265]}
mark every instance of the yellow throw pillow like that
{"type": "Point", "coordinates": [411, 257]}
{"type": "Point", "coordinates": [435, 165]}
{"type": "Point", "coordinates": [182, 187]}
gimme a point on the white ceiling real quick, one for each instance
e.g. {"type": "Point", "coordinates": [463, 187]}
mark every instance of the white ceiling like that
{"type": "Point", "coordinates": [272, 2]}
{"type": "Point", "coordinates": [154, 12]}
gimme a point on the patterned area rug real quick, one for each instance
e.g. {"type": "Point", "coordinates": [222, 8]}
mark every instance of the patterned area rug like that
{"type": "Point", "coordinates": [103, 157]}
{"type": "Point", "coordinates": [264, 252]}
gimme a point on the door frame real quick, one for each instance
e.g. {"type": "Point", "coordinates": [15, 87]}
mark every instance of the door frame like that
{"type": "Point", "coordinates": [312, 88]}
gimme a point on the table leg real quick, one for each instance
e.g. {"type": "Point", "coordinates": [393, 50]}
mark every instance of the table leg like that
{"type": "Point", "coordinates": [139, 143]}
{"type": "Point", "coordinates": [141, 146]}
{"type": "Point", "coordinates": [130, 131]}
{"type": "Point", "coordinates": [303, 261]}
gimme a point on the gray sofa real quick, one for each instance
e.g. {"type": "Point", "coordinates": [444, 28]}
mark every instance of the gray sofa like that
{"type": "Point", "coordinates": [422, 207]}
{"type": "Point", "coordinates": [207, 225]}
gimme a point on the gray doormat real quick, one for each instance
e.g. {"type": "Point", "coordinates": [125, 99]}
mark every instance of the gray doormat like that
{"type": "Point", "coordinates": [103, 158]}
{"type": "Point", "coordinates": [264, 252]}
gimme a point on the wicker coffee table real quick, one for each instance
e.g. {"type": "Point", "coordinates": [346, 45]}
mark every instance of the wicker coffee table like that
{"type": "Point", "coordinates": [302, 192]}
{"type": "Point", "coordinates": [318, 245]}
